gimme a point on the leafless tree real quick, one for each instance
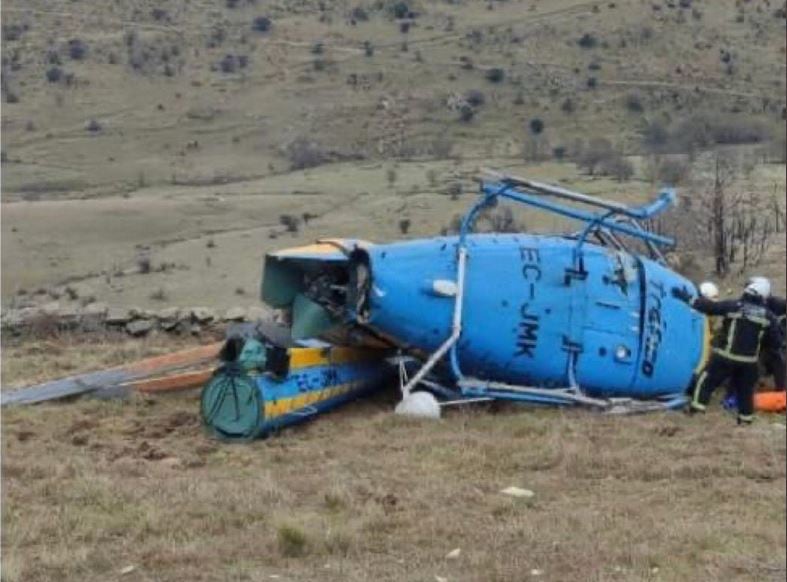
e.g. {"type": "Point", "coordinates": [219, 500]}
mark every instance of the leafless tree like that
{"type": "Point", "coordinates": [737, 226]}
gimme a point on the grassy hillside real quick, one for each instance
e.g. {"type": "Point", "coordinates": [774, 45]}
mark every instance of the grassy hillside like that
{"type": "Point", "coordinates": [183, 124]}
{"type": "Point", "coordinates": [109, 98]}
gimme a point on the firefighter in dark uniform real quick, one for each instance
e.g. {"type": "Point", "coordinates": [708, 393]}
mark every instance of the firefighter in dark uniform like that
{"type": "Point", "coordinates": [774, 357]}
{"type": "Point", "coordinates": [746, 327]}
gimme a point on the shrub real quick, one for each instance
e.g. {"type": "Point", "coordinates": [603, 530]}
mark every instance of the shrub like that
{"type": "Point", "coordinates": [672, 171]}
{"type": "Point", "coordinates": [399, 10]}
{"type": "Point", "coordinates": [655, 134]}
{"type": "Point", "coordinates": [317, 48]}
{"type": "Point", "coordinates": [536, 126]}
{"type": "Point", "coordinates": [217, 37]}
{"type": "Point", "coordinates": [77, 49]}
{"type": "Point", "coordinates": [159, 14]}
{"type": "Point", "coordinates": [703, 130]}
{"type": "Point", "coordinates": [262, 24]}
{"type": "Point", "coordinates": [303, 154]}
{"type": "Point", "coordinates": [634, 103]}
{"type": "Point", "coordinates": [359, 14]}
{"type": "Point", "coordinates": [12, 32]}
{"type": "Point", "coordinates": [93, 126]}
{"type": "Point", "coordinates": [466, 113]}
{"type": "Point", "coordinates": [53, 57]}
{"type": "Point", "coordinates": [588, 41]}
{"type": "Point", "coordinates": [292, 541]}
{"type": "Point", "coordinates": [559, 152]}
{"type": "Point", "coordinates": [495, 75]}
{"type": "Point", "coordinates": [618, 167]}
{"type": "Point", "coordinates": [390, 176]}
{"type": "Point", "coordinates": [475, 98]}
{"type": "Point", "coordinates": [143, 263]}
{"type": "Point", "coordinates": [231, 63]}
{"type": "Point", "coordinates": [592, 82]}
{"type": "Point", "coordinates": [159, 294]}
{"type": "Point", "coordinates": [404, 225]}
{"type": "Point", "coordinates": [598, 149]}
{"type": "Point", "coordinates": [499, 220]}
{"type": "Point", "coordinates": [368, 48]}
{"type": "Point", "coordinates": [454, 190]}
{"type": "Point", "coordinates": [54, 74]}
{"type": "Point", "coordinates": [568, 105]}
{"type": "Point", "coordinates": [289, 222]}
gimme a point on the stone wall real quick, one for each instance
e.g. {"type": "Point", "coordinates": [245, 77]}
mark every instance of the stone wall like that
{"type": "Point", "coordinates": [96, 316]}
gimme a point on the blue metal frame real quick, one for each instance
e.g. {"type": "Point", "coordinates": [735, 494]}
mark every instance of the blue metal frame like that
{"type": "Point", "coordinates": [519, 192]}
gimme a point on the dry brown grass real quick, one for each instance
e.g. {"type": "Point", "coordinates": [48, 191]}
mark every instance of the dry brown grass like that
{"type": "Point", "coordinates": [38, 357]}
{"type": "Point", "coordinates": [90, 488]}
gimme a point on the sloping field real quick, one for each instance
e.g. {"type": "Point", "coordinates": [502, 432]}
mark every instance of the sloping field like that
{"type": "Point", "coordinates": [93, 490]}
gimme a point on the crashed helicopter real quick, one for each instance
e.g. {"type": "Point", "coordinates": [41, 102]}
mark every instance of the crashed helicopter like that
{"type": "Point", "coordinates": [578, 319]}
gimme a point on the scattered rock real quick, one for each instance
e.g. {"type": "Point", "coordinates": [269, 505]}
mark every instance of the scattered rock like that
{"type": "Point", "coordinates": [453, 554]}
{"type": "Point", "coordinates": [118, 315]}
{"type": "Point", "coordinates": [96, 310]}
{"type": "Point", "coordinates": [202, 315]}
{"type": "Point", "coordinates": [517, 492]}
{"type": "Point", "coordinates": [168, 324]}
{"type": "Point", "coordinates": [140, 327]}
{"type": "Point", "coordinates": [137, 313]}
{"type": "Point", "coordinates": [51, 308]}
{"type": "Point", "coordinates": [127, 570]}
{"type": "Point", "coordinates": [235, 314]}
{"type": "Point", "coordinates": [18, 317]}
{"type": "Point", "coordinates": [169, 314]}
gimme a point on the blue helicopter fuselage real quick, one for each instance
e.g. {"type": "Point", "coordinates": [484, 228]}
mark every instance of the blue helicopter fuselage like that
{"type": "Point", "coordinates": [527, 310]}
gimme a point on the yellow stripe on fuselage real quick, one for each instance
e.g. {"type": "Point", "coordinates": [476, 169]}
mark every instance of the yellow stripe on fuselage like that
{"type": "Point", "coordinates": [282, 406]}
{"type": "Point", "coordinates": [306, 357]}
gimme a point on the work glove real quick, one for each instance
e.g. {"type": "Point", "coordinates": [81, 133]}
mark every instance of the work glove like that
{"type": "Point", "coordinates": [681, 293]}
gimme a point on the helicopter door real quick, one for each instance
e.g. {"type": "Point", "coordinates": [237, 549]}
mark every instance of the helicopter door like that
{"type": "Point", "coordinates": [610, 329]}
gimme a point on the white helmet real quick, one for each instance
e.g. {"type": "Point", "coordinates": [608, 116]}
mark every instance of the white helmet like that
{"type": "Point", "coordinates": [709, 290]}
{"type": "Point", "coordinates": [758, 286]}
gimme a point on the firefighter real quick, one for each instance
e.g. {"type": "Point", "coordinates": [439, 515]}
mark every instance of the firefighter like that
{"type": "Point", "coordinates": [773, 359]}
{"type": "Point", "coordinates": [746, 327]}
{"type": "Point", "coordinates": [710, 291]}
